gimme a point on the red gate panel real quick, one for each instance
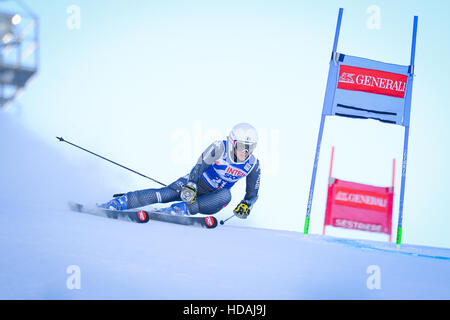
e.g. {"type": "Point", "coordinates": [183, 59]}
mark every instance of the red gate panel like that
{"type": "Point", "coordinates": [358, 206]}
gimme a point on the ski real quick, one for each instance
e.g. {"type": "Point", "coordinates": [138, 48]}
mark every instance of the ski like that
{"type": "Point", "coordinates": [207, 222]}
{"type": "Point", "coordinates": [138, 216]}
{"type": "Point", "coordinates": [142, 216]}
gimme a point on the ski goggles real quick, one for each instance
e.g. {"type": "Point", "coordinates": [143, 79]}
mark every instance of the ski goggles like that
{"type": "Point", "coordinates": [242, 146]}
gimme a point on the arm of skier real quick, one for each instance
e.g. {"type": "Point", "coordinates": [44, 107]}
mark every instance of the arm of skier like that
{"type": "Point", "coordinates": [211, 154]}
{"type": "Point", "coordinates": [251, 195]}
{"type": "Point", "coordinates": [189, 192]}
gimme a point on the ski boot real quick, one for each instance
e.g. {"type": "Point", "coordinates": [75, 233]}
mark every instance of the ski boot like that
{"type": "Point", "coordinates": [119, 203]}
{"type": "Point", "coordinates": [179, 209]}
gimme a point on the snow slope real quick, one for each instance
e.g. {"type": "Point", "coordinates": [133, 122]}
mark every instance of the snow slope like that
{"type": "Point", "coordinates": [40, 239]}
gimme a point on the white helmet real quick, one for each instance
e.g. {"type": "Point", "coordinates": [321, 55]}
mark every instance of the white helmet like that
{"type": "Point", "coordinates": [243, 137]}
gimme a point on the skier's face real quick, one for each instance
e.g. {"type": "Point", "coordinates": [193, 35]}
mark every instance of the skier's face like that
{"type": "Point", "coordinates": [241, 155]}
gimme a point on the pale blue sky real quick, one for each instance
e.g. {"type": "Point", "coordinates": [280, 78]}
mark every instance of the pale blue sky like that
{"type": "Point", "coordinates": [151, 83]}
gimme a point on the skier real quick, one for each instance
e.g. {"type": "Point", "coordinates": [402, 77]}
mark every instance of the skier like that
{"type": "Point", "coordinates": [206, 189]}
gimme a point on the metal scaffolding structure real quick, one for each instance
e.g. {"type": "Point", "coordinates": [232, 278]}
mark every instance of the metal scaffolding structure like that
{"type": "Point", "coordinates": [19, 48]}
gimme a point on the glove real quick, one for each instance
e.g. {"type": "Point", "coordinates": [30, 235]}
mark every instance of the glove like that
{"type": "Point", "coordinates": [242, 210]}
{"type": "Point", "coordinates": [189, 193]}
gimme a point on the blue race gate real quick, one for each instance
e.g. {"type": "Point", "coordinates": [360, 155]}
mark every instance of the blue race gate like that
{"type": "Point", "coordinates": [367, 89]}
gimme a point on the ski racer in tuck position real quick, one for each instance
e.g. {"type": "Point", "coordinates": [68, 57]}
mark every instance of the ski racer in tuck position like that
{"type": "Point", "coordinates": [206, 189]}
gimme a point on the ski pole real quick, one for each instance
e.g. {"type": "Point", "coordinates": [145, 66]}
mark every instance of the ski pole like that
{"type": "Point", "coordinates": [117, 164]}
{"type": "Point", "coordinates": [223, 221]}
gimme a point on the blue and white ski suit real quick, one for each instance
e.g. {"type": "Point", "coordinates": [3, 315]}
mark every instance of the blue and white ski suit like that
{"type": "Point", "coordinates": [214, 174]}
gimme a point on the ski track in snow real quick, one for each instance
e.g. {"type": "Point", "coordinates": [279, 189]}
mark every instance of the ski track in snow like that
{"type": "Point", "coordinates": [40, 238]}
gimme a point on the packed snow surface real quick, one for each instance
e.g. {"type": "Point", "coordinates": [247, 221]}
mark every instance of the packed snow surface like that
{"type": "Point", "coordinates": [44, 246]}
